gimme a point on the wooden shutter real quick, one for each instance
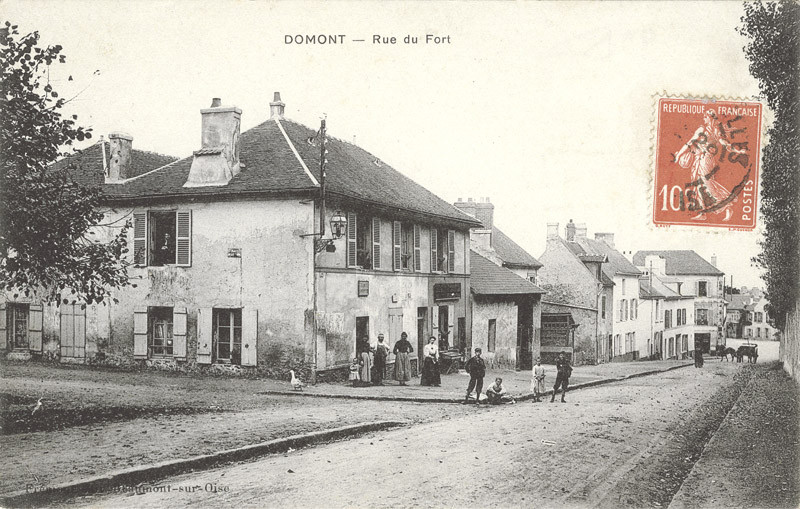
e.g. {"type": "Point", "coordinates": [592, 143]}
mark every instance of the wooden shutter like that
{"type": "Point", "coordinates": [435, 320]}
{"type": "Point", "coordinates": [451, 311]}
{"type": "Point", "coordinates": [451, 251]}
{"type": "Point", "coordinates": [183, 232]}
{"type": "Point", "coordinates": [179, 333]}
{"type": "Point", "coordinates": [140, 333]}
{"type": "Point", "coordinates": [35, 327]}
{"type": "Point", "coordinates": [67, 330]}
{"type": "Point", "coordinates": [79, 332]}
{"type": "Point", "coordinates": [250, 336]}
{"type": "Point", "coordinates": [434, 248]}
{"type": "Point", "coordinates": [3, 331]}
{"type": "Point", "coordinates": [396, 241]}
{"type": "Point", "coordinates": [417, 249]}
{"type": "Point", "coordinates": [205, 335]}
{"type": "Point", "coordinates": [140, 238]}
{"type": "Point", "coordinates": [352, 241]}
{"type": "Point", "coordinates": [376, 243]}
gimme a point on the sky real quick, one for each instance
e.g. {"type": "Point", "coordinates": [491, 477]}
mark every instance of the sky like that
{"type": "Point", "coordinates": [545, 108]}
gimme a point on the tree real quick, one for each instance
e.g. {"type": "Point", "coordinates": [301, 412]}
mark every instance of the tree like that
{"type": "Point", "coordinates": [48, 242]}
{"type": "Point", "coordinates": [774, 54]}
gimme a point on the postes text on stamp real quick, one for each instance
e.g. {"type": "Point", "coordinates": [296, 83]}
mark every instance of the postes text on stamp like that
{"type": "Point", "coordinates": [706, 163]}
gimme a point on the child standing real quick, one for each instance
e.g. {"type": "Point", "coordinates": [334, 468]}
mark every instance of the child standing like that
{"type": "Point", "coordinates": [477, 370]}
{"type": "Point", "coordinates": [537, 383]}
{"type": "Point", "coordinates": [354, 366]}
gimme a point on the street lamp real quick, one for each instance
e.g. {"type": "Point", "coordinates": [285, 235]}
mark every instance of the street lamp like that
{"type": "Point", "coordinates": [338, 227]}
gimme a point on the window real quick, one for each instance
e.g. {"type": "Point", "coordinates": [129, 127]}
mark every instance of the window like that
{"type": "Point", "coordinates": [603, 307]}
{"type": "Point", "coordinates": [758, 332]}
{"type": "Point", "coordinates": [407, 245]}
{"type": "Point", "coordinates": [162, 238]}
{"type": "Point", "coordinates": [442, 250]}
{"type": "Point", "coordinates": [17, 326]}
{"type": "Point", "coordinates": [490, 345]}
{"type": "Point", "coordinates": [160, 342]}
{"type": "Point", "coordinates": [623, 287]}
{"type": "Point", "coordinates": [667, 318]}
{"type": "Point", "coordinates": [617, 345]}
{"type": "Point", "coordinates": [363, 241]}
{"type": "Point", "coordinates": [227, 324]}
{"type": "Point", "coordinates": [759, 317]}
{"type": "Point", "coordinates": [634, 309]}
{"type": "Point", "coordinates": [658, 310]}
{"type": "Point", "coordinates": [702, 288]}
{"type": "Point", "coordinates": [701, 317]}
{"type": "Point", "coordinates": [625, 309]}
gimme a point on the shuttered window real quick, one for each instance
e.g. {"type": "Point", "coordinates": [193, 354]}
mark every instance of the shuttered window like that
{"type": "Point", "coordinates": [397, 255]}
{"type": "Point", "coordinates": [35, 327]}
{"type": "Point", "coordinates": [451, 251]}
{"type": "Point", "coordinates": [205, 326]}
{"type": "Point", "coordinates": [434, 250]}
{"type": "Point", "coordinates": [417, 248]}
{"type": "Point", "coordinates": [179, 333]}
{"type": "Point", "coordinates": [183, 228]}
{"type": "Point", "coordinates": [140, 333]}
{"type": "Point", "coordinates": [352, 245]}
{"type": "Point", "coordinates": [250, 337]}
{"type": "Point", "coordinates": [376, 243]}
{"type": "Point", "coordinates": [140, 238]}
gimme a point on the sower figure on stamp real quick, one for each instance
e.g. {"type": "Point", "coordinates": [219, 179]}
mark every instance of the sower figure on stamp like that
{"type": "Point", "coordinates": [562, 377]}
{"type": "Point", "coordinates": [698, 154]}
{"type": "Point", "coordinates": [477, 370]}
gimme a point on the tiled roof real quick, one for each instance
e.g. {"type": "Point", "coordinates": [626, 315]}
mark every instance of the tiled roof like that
{"type": "Point", "coordinates": [654, 288]}
{"type": "Point", "coordinates": [486, 278]}
{"type": "Point", "coordinates": [512, 254]}
{"type": "Point", "coordinates": [738, 301]}
{"type": "Point", "coordinates": [681, 263]}
{"type": "Point", "coordinates": [87, 164]}
{"type": "Point", "coordinates": [271, 166]}
{"type": "Point", "coordinates": [617, 263]}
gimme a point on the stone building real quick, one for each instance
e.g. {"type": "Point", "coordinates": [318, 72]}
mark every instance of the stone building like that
{"type": "Point", "coordinates": [245, 255]}
{"type": "Point", "coordinates": [695, 277]}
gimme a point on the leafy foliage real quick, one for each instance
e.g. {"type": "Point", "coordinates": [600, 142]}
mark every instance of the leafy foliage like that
{"type": "Point", "coordinates": [47, 241]}
{"type": "Point", "coordinates": [774, 54]}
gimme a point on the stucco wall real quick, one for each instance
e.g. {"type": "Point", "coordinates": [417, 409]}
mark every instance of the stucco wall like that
{"type": "Point", "coordinates": [565, 277]}
{"type": "Point", "coordinates": [504, 311]}
{"type": "Point", "coordinates": [273, 275]}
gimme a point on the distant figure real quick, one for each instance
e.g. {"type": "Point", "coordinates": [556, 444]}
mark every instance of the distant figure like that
{"type": "Point", "coordinates": [430, 364]}
{"type": "Point", "coordinates": [402, 364]}
{"type": "Point", "coordinates": [497, 394]}
{"type": "Point", "coordinates": [354, 367]}
{"type": "Point", "coordinates": [477, 370]}
{"type": "Point", "coordinates": [537, 383]}
{"type": "Point", "coordinates": [381, 353]}
{"type": "Point", "coordinates": [698, 358]}
{"type": "Point", "coordinates": [562, 376]}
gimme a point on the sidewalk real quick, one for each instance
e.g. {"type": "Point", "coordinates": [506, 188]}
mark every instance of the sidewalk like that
{"type": "Point", "coordinates": [453, 387]}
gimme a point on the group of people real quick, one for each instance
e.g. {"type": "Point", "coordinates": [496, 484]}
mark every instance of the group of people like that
{"type": "Point", "coordinates": [369, 365]}
{"type": "Point", "coordinates": [497, 394]}
{"type": "Point", "coordinates": [369, 368]}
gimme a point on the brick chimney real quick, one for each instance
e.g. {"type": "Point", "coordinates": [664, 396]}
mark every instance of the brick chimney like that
{"type": "Point", "coordinates": [552, 231]}
{"type": "Point", "coordinates": [217, 161]}
{"type": "Point", "coordinates": [467, 207]}
{"type": "Point", "coordinates": [484, 212]}
{"type": "Point", "coordinates": [570, 231]}
{"type": "Point", "coordinates": [608, 238]}
{"type": "Point", "coordinates": [119, 164]}
{"type": "Point", "coordinates": [277, 106]}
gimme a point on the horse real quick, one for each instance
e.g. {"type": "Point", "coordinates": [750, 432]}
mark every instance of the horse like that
{"type": "Point", "coordinates": [723, 353]}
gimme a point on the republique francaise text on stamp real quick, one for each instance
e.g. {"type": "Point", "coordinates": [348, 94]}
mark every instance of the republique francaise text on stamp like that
{"type": "Point", "coordinates": [706, 163]}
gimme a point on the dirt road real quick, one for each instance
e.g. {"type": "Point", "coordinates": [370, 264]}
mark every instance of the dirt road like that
{"type": "Point", "coordinates": [583, 453]}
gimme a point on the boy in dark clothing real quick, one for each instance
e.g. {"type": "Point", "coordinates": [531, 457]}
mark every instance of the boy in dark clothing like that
{"type": "Point", "coordinates": [562, 377]}
{"type": "Point", "coordinates": [477, 370]}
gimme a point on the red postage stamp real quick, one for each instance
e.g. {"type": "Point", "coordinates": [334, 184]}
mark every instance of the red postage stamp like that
{"type": "Point", "coordinates": [706, 163]}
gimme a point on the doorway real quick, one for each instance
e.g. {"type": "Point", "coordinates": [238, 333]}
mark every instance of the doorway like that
{"type": "Point", "coordinates": [524, 335]}
{"type": "Point", "coordinates": [444, 328]}
{"type": "Point", "coordinates": [362, 330]}
{"type": "Point", "coordinates": [422, 316]}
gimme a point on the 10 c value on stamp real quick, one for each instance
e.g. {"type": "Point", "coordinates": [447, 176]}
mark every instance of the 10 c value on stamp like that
{"type": "Point", "coordinates": [706, 163]}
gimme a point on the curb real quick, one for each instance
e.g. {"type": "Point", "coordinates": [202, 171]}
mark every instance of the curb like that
{"type": "Point", "coordinates": [414, 399]}
{"type": "Point", "coordinates": [133, 476]}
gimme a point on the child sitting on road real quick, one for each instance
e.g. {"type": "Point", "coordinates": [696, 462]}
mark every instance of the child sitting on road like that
{"type": "Point", "coordinates": [497, 394]}
{"type": "Point", "coordinates": [354, 366]}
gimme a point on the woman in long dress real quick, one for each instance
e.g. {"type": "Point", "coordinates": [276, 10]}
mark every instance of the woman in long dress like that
{"type": "Point", "coordinates": [430, 364]}
{"type": "Point", "coordinates": [402, 364]}
{"type": "Point", "coordinates": [698, 155]}
{"type": "Point", "coordinates": [365, 362]}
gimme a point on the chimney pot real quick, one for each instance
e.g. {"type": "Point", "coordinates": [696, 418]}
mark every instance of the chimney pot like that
{"type": "Point", "coordinates": [216, 102]}
{"type": "Point", "coordinates": [276, 107]}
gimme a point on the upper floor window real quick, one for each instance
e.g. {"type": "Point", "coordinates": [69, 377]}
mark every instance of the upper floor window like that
{"type": "Point", "coordinates": [702, 288]}
{"type": "Point", "coordinates": [759, 317]}
{"type": "Point", "coordinates": [603, 307]}
{"type": "Point", "coordinates": [363, 241]}
{"type": "Point", "coordinates": [162, 237]}
{"type": "Point", "coordinates": [634, 309]}
{"type": "Point", "coordinates": [442, 250]}
{"type": "Point", "coordinates": [623, 287]}
{"type": "Point", "coordinates": [701, 316]}
{"type": "Point", "coordinates": [667, 318]}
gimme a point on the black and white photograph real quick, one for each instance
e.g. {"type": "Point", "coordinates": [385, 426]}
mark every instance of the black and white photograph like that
{"type": "Point", "coordinates": [400, 254]}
